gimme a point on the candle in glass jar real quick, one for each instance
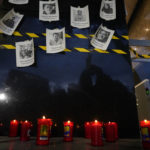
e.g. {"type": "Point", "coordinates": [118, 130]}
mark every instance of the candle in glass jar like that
{"type": "Point", "coordinates": [68, 131]}
{"type": "Point", "coordinates": [96, 133]}
{"type": "Point", "coordinates": [25, 130]}
{"type": "Point", "coordinates": [87, 129]}
{"type": "Point", "coordinates": [13, 129]}
{"type": "Point", "coordinates": [43, 131]}
{"type": "Point", "coordinates": [145, 132]}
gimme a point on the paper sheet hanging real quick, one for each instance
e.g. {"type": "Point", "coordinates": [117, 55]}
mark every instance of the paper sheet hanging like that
{"type": "Point", "coordinates": [49, 10]}
{"type": "Point", "coordinates": [55, 40]}
{"type": "Point", "coordinates": [102, 38]}
{"type": "Point", "coordinates": [80, 17]}
{"type": "Point", "coordinates": [10, 21]}
{"type": "Point", "coordinates": [19, 2]}
{"type": "Point", "coordinates": [108, 10]}
{"type": "Point", "coordinates": [24, 53]}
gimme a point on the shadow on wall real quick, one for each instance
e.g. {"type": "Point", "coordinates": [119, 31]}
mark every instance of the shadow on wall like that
{"type": "Point", "coordinates": [96, 96]}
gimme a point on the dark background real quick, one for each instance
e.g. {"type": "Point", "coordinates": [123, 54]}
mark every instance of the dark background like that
{"type": "Point", "coordinates": [69, 85]}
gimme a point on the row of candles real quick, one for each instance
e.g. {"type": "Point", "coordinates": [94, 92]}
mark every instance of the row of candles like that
{"type": "Point", "coordinates": [93, 130]}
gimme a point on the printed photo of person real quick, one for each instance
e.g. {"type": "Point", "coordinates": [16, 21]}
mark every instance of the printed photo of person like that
{"type": "Point", "coordinates": [107, 8]}
{"type": "Point", "coordinates": [11, 22]}
{"type": "Point", "coordinates": [49, 9]}
{"type": "Point", "coordinates": [26, 51]}
{"type": "Point", "coordinates": [79, 16]}
{"type": "Point", "coordinates": [57, 39]}
{"type": "Point", "coordinates": [102, 36]}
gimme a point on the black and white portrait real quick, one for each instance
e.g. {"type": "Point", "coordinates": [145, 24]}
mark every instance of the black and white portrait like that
{"type": "Point", "coordinates": [56, 39]}
{"type": "Point", "coordinates": [107, 7]}
{"type": "Point", "coordinates": [102, 38]}
{"type": "Point", "coordinates": [102, 35]}
{"type": "Point", "coordinates": [26, 51]}
{"type": "Point", "coordinates": [80, 17]}
{"type": "Point", "coordinates": [11, 21]}
{"type": "Point", "coordinates": [49, 9]}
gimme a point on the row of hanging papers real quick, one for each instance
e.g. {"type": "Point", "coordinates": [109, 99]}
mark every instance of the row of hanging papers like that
{"type": "Point", "coordinates": [55, 39]}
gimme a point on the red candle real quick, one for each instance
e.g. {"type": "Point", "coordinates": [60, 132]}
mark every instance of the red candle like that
{"type": "Point", "coordinates": [51, 123]}
{"type": "Point", "coordinates": [43, 131]}
{"type": "Point", "coordinates": [25, 130]}
{"type": "Point", "coordinates": [13, 129]}
{"type": "Point", "coordinates": [110, 131]}
{"type": "Point", "coordinates": [96, 133]}
{"type": "Point", "coordinates": [87, 129]}
{"type": "Point", "coordinates": [68, 131]}
{"type": "Point", "coordinates": [116, 130]}
{"type": "Point", "coordinates": [145, 132]}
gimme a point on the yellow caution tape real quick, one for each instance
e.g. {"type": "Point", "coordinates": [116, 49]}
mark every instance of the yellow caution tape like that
{"type": "Point", "coordinates": [101, 51]}
{"type": "Point", "coordinates": [83, 50]}
{"type": "Point", "coordinates": [16, 33]}
{"type": "Point", "coordinates": [115, 38]}
{"type": "Point", "coordinates": [8, 46]}
{"type": "Point", "coordinates": [137, 55]}
{"type": "Point", "coordinates": [81, 36]}
{"type": "Point", "coordinates": [126, 37]}
{"type": "Point", "coordinates": [32, 35]}
{"type": "Point", "coordinates": [67, 36]}
{"type": "Point", "coordinates": [118, 51]}
{"type": "Point", "coordinates": [43, 47]}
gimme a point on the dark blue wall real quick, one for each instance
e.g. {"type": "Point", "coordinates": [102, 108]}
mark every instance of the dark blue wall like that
{"type": "Point", "coordinates": [69, 85]}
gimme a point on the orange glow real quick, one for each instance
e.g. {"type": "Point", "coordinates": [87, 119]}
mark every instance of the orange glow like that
{"type": "Point", "coordinates": [14, 120]}
{"type": "Point", "coordinates": [68, 121]}
{"type": "Point", "coordinates": [44, 117]}
{"type": "Point", "coordinates": [26, 121]}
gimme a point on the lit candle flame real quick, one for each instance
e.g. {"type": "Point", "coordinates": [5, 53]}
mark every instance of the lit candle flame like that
{"type": "Point", "coordinates": [14, 120]}
{"type": "Point", "coordinates": [96, 121]}
{"type": "Point", "coordinates": [26, 121]}
{"type": "Point", "coordinates": [145, 120]}
{"type": "Point", "coordinates": [44, 117]}
{"type": "Point", "coordinates": [68, 121]}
